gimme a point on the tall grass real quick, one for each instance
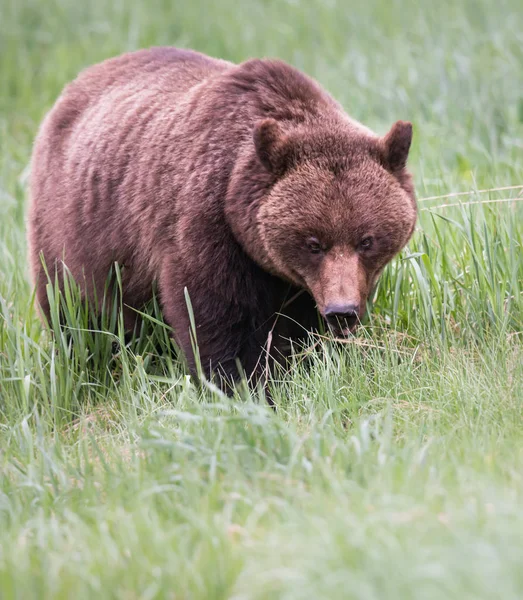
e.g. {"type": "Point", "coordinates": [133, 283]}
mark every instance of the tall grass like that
{"type": "Point", "coordinates": [392, 468]}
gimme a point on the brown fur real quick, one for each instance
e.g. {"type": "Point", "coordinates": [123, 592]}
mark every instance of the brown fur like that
{"type": "Point", "coordinates": [194, 172]}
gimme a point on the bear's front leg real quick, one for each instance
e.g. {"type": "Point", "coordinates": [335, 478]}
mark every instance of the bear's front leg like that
{"type": "Point", "coordinates": [223, 335]}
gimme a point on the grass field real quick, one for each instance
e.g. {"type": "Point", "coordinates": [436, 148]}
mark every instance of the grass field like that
{"type": "Point", "coordinates": [394, 465]}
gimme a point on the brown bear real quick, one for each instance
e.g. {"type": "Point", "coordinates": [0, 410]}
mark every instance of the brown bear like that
{"type": "Point", "coordinates": [244, 184]}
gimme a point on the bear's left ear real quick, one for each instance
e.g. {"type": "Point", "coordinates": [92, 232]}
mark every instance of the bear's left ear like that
{"type": "Point", "coordinates": [396, 145]}
{"type": "Point", "coordinates": [272, 145]}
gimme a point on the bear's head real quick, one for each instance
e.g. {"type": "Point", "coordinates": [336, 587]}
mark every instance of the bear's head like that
{"type": "Point", "coordinates": [339, 206]}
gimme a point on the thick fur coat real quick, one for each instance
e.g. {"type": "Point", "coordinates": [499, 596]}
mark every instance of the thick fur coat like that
{"type": "Point", "coordinates": [242, 183]}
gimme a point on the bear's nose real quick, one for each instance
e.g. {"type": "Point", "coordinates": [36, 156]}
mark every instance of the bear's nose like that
{"type": "Point", "coordinates": [344, 315]}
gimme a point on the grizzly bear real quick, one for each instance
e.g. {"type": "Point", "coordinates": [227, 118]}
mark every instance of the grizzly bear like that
{"type": "Point", "coordinates": [246, 185]}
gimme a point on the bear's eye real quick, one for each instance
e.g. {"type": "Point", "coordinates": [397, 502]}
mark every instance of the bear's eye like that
{"type": "Point", "coordinates": [315, 246]}
{"type": "Point", "coordinates": [366, 243]}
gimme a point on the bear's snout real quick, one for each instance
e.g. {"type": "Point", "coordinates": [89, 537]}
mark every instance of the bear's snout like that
{"type": "Point", "coordinates": [342, 317]}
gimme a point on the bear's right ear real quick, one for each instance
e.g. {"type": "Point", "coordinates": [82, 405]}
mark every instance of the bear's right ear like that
{"type": "Point", "coordinates": [272, 146]}
{"type": "Point", "coordinates": [397, 145]}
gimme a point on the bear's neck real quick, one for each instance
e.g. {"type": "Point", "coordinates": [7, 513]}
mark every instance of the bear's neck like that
{"type": "Point", "coordinates": [249, 184]}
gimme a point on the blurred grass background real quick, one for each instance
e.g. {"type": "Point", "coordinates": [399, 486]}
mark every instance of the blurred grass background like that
{"type": "Point", "coordinates": [393, 468]}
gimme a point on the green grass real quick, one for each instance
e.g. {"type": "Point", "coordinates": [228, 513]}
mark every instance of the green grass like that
{"type": "Point", "coordinates": [394, 465]}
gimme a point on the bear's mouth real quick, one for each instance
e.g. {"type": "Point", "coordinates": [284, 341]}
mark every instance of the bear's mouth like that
{"type": "Point", "coordinates": [342, 327]}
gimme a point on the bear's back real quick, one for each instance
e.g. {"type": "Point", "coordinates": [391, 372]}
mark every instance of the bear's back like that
{"type": "Point", "coordinates": [162, 69]}
{"type": "Point", "coordinates": [80, 165]}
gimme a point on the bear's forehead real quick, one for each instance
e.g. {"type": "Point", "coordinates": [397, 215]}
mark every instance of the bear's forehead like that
{"type": "Point", "coordinates": [336, 187]}
{"type": "Point", "coordinates": [337, 148]}
{"type": "Point", "coordinates": [342, 205]}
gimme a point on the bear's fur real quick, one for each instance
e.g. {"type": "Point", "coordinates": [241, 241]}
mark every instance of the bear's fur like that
{"type": "Point", "coordinates": [242, 183]}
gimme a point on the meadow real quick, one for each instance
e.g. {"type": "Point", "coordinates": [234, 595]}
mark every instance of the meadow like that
{"type": "Point", "coordinates": [393, 467]}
